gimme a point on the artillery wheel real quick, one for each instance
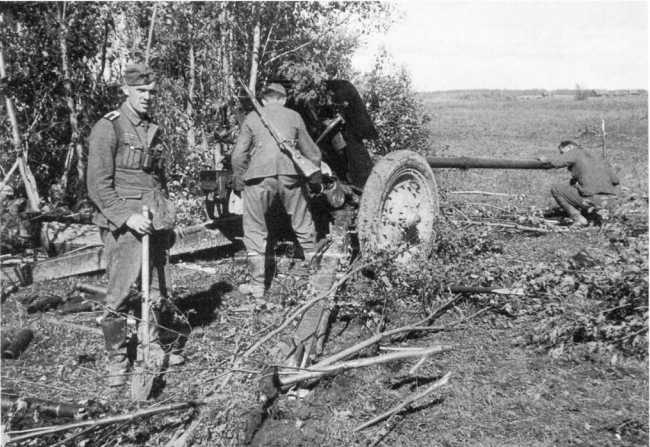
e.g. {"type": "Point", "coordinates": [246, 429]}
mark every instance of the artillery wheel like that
{"type": "Point", "coordinates": [399, 204]}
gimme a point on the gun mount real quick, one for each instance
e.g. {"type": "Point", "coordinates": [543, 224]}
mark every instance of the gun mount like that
{"type": "Point", "coordinates": [389, 202]}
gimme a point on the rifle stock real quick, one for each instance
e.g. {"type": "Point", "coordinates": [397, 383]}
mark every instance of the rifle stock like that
{"type": "Point", "coordinates": [303, 165]}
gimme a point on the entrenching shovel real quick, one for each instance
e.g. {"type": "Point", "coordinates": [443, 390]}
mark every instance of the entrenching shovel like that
{"type": "Point", "coordinates": [143, 373]}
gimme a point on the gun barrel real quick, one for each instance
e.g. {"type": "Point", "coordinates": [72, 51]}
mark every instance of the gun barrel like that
{"type": "Point", "coordinates": [486, 163]}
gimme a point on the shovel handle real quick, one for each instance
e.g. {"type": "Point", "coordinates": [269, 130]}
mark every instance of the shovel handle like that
{"type": "Point", "coordinates": [145, 281]}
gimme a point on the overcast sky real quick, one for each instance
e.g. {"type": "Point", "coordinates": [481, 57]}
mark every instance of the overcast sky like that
{"type": "Point", "coordinates": [517, 45]}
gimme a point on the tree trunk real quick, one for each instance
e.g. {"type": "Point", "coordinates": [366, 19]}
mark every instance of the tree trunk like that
{"type": "Point", "coordinates": [191, 132]}
{"type": "Point", "coordinates": [255, 54]}
{"type": "Point", "coordinates": [9, 105]}
{"type": "Point", "coordinates": [75, 143]}
{"type": "Point", "coordinates": [150, 36]}
{"type": "Point", "coordinates": [25, 172]}
{"type": "Point", "coordinates": [102, 63]}
{"type": "Point", "coordinates": [225, 53]}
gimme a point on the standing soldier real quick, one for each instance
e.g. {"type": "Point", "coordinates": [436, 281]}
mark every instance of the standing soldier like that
{"type": "Point", "coordinates": [263, 172]}
{"type": "Point", "coordinates": [592, 186]}
{"type": "Point", "coordinates": [125, 172]}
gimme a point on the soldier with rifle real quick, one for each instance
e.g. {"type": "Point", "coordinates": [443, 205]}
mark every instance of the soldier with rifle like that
{"type": "Point", "coordinates": [274, 157]}
{"type": "Point", "coordinates": [125, 174]}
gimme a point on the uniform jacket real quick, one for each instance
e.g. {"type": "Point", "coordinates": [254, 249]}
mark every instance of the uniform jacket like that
{"type": "Point", "coordinates": [117, 179]}
{"type": "Point", "coordinates": [257, 155]}
{"type": "Point", "coordinates": [590, 174]}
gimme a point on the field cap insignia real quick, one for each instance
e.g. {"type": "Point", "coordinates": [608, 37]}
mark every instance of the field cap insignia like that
{"type": "Point", "coordinates": [138, 74]}
{"type": "Point", "coordinates": [275, 87]}
{"type": "Point", "coordinates": [112, 115]}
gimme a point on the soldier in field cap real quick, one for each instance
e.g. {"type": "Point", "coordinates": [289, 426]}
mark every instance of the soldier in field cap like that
{"type": "Point", "coordinates": [262, 172]}
{"type": "Point", "coordinates": [125, 172]}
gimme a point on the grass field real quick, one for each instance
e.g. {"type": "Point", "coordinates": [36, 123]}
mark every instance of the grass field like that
{"type": "Point", "coordinates": [503, 126]}
{"type": "Point", "coordinates": [504, 391]}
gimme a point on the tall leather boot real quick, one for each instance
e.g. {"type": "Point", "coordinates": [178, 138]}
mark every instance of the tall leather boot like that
{"type": "Point", "coordinates": [255, 287]}
{"type": "Point", "coordinates": [115, 338]}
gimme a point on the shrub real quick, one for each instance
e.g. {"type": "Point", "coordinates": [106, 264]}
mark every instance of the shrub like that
{"type": "Point", "coordinates": [394, 108]}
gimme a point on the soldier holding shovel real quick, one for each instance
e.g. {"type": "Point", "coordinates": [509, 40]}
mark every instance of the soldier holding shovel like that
{"type": "Point", "coordinates": [125, 174]}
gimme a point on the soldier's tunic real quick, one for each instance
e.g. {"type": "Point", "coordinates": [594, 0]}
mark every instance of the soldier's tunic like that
{"type": "Point", "coordinates": [119, 185]}
{"type": "Point", "coordinates": [268, 172]}
{"type": "Point", "coordinates": [592, 181]}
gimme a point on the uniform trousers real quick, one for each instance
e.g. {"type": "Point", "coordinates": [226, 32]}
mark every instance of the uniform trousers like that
{"type": "Point", "coordinates": [258, 195]}
{"type": "Point", "coordinates": [570, 199]}
{"type": "Point", "coordinates": [123, 250]}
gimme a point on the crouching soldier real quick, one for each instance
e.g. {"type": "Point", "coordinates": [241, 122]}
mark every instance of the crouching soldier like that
{"type": "Point", "coordinates": [125, 173]}
{"type": "Point", "coordinates": [263, 172]}
{"type": "Point", "coordinates": [592, 187]}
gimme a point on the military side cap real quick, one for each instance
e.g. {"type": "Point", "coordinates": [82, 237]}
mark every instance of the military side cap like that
{"type": "Point", "coordinates": [275, 87]}
{"type": "Point", "coordinates": [138, 74]}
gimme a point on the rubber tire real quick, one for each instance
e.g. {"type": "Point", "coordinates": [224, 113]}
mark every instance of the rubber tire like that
{"type": "Point", "coordinates": [384, 176]}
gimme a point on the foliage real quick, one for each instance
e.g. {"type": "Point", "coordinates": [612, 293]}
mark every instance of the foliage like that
{"type": "Point", "coordinates": [394, 108]}
{"type": "Point", "coordinates": [594, 300]}
{"type": "Point", "coordinates": [603, 304]}
{"type": "Point", "coordinates": [199, 50]}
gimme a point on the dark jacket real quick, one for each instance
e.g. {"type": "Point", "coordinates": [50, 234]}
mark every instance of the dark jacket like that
{"type": "Point", "coordinates": [124, 166]}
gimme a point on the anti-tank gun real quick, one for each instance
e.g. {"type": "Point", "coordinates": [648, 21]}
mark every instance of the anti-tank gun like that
{"type": "Point", "coordinates": [390, 201]}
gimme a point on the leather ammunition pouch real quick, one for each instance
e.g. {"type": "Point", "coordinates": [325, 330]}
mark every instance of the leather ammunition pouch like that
{"type": "Point", "coordinates": [131, 160]}
{"type": "Point", "coordinates": [131, 153]}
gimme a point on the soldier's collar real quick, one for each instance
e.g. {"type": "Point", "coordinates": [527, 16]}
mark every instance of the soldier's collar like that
{"type": "Point", "coordinates": [132, 115]}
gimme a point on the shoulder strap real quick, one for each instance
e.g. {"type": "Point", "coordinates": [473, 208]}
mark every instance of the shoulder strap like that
{"type": "Point", "coordinates": [117, 128]}
{"type": "Point", "coordinates": [112, 116]}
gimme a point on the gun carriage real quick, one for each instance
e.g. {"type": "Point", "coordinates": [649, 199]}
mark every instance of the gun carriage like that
{"type": "Point", "coordinates": [381, 204]}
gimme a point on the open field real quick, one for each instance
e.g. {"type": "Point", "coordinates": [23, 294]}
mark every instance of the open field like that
{"type": "Point", "coordinates": [505, 390]}
{"type": "Point", "coordinates": [504, 126]}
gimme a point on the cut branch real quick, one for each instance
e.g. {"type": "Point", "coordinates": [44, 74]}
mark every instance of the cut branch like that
{"type": "Point", "coordinates": [421, 325]}
{"type": "Point", "coordinates": [506, 225]}
{"type": "Point", "coordinates": [485, 193]}
{"type": "Point", "coordinates": [318, 371]}
{"type": "Point", "coordinates": [406, 403]}
{"type": "Point", "coordinates": [100, 422]}
{"type": "Point", "coordinates": [305, 307]}
{"type": "Point", "coordinates": [188, 434]}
